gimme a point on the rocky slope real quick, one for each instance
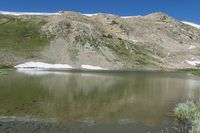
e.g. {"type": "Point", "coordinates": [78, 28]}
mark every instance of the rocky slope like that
{"type": "Point", "coordinates": [152, 42]}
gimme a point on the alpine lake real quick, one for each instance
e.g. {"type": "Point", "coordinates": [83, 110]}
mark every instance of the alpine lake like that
{"type": "Point", "coordinates": [93, 101]}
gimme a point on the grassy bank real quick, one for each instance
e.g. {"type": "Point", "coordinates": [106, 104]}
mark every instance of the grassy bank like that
{"type": "Point", "coordinates": [5, 67]}
{"type": "Point", "coordinates": [195, 72]}
{"type": "Point", "coordinates": [189, 114]}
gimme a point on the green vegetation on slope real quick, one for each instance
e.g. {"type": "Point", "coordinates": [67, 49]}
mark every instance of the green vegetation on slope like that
{"type": "Point", "coordinates": [138, 55]}
{"type": "Point", "coordinates": [189, 112]}
{"type": "Point", "coordinates": [5, 67]}
{"type": "Point", "coordinates": [195, 72]}
{"type": "Point", "coordinates": [21, 37]}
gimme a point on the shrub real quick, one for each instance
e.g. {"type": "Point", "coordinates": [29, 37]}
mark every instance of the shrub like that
{"type": "Point", "coordinates": [185, 110]}
{"type": "Point", "coordinates": [114, 22]}
{"type": "Point", "coordinates": [189, 111]}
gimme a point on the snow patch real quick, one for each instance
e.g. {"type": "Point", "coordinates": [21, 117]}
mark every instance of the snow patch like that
{"type": "Point", "coordinates": [90, 15]}
{"type": "Point", "coordinates": [44, 13]}
{"type": "Point", "coordinates": [37, 66]}
{"type": "Point", "coordinates": [133, 40]}
{"type": "Point", "coordinates": [26, 13]}
{"type": "Point", "coordinates": [126, 17]}
{"type": "Point", "coordinates": [191, 24]}
{"type": "Point", "coordinates": [192, 47]}
{"type": "Point", "coordinates": [89, 67]}
{"type": "Point", "coordinates": [193, 63]}
{"type": "Point", "coordinates": [41, 65]}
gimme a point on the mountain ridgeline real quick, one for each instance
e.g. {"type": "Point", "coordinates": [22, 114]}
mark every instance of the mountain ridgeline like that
{"type": "Point", "coordinates": [153, 42]}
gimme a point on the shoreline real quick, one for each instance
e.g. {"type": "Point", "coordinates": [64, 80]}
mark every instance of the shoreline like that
{"type": "Point", "coordinates": [96, 70]}
{"type": "Point", "coordinates": [12, 125]}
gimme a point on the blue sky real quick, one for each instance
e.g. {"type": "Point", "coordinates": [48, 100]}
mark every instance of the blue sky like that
{"type": "Point", "coordinates": [188, 10]}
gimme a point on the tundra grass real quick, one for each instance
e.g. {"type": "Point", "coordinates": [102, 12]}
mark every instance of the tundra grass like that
{"type": "Point", "coordinates": [5, 67]}
{"type": "Point", "coordinates": [195, 72]}
{"type": "Point", "coordinates": [22, 36]}
{"type": "Point", "coordinates": [189, 112]}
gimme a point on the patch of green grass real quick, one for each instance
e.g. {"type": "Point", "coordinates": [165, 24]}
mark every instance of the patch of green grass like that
{"type": "Point", "coordinates": [80, 39]}
{"type": "Point", "coordinates": [22, 36]}
{"type": "Point", "coordinates": [195, 72]}
{"type": "Point", "coordinates": [190, 112]}
{"type": "Point", "coordinates": [134, 56]}
{"type": "Point", "coordinates": [94, 43]}
{"type": "Point", "coordinates": [5, 67]}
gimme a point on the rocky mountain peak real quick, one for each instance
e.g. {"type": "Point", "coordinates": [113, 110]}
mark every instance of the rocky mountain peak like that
{"type": "Point", "coordinates": [158, 16]}
{"type": "Point", "coordinates": [155, 41]}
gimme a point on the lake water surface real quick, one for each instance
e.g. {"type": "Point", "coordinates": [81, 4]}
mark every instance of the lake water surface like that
{"type": "Point", "coordinates": [107, 102]}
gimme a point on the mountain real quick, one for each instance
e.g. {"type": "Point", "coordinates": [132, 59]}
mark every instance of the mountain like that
{"type": "Point", "coordinates": [152, 42]}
